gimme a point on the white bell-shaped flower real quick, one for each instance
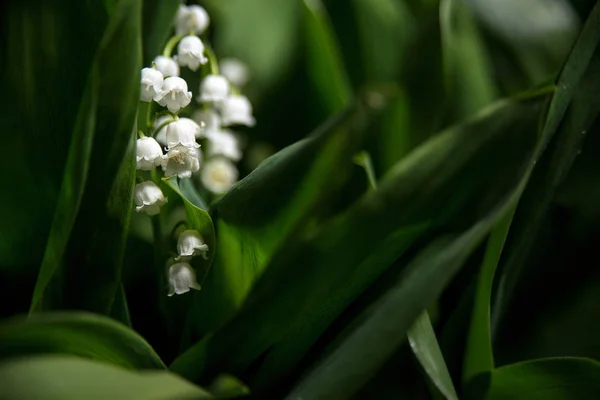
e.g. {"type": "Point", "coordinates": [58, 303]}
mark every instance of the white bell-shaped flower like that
{"type": "Point", "coordinates": [174, 94]}
{"type": "Point", "coordinates": [235, 71]}
{"type": "Point", "coordinates": [183, 133]}
{"type": "Point", "coordinates": [209, 120]}
{"type": "Point", "coordinates": [214, 88]}
{"type": "Point", "coordinates": [151, 84]}
{"type": "Point", "coordinates": [237, 110]}
{"type": "Point", "coordinates": [148, 198]}
{"type": "Point", "coordinates": [161, 135]}
{"type": "Point", "coordinates": [182, 278]}
{"type": "Point", "coordinates": [181, 161]}
{"type": "Point", "coordinates": [223, 143]}
{"type": "Point", "coordinates": [167, 66]}
{"type": "Point", "coordinates": [191, 19]}
{"type": "Point", "coordinates": [190, 244]}
{"type": "Point", "coordinates": [218, 175]}
{"type": "Point", "coordinates": [148, 154]}
{"type": "Point", "coordinates": [190, 53]}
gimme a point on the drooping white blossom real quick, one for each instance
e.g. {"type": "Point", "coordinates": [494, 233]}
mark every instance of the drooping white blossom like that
{"type": "Point", "coordinates": [148, 154]}
{"type": "Point", "coordinates": [191, 18]}
{"type": "Point", "coordinates": [235, 71]}
{"type": "Point", "coordinates": [182, 278]}
{"type": "Point", "coordinates": [151, 84]}
{"type": "Point", "coordinates": [174, 94]}
{"type": "Point", "coordinates": [183, 133]}
{"type": "Point", "coordinates": [190, 53]}
{"type": "Point", "coordinates": [209, 119]}
{"type": "Point", "coordinates": [148, 198]}
{"type": "Point", "coordinates": [223, 143]}
{"type": "Point", "coordinates": [237, 110]}
{"type": "Point", "coordinates": [214, 88]}
{"type": "Point", "coordinates": [218, 174]}
{"type": "Point", "coordinates": [190, 244]}
{"type": "Point", "coordinates": [167, 66]}
{"type": "Point", "coordinates": [181, 161]}
{"type": "Point", "coordinates": [161, 135]}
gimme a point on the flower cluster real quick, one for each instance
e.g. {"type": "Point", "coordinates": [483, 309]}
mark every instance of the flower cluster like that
{"type": "Point", "coordinates": [173, 142]}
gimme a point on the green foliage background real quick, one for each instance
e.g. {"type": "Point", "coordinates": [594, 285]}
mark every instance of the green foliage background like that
{"type": "Point", "coordinates": [467, 268]}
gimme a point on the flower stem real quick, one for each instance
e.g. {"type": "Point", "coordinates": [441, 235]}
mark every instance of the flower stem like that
{"type": "Point", "coordinates": [168, 50]}
{"type": "Point", "coordinates": [158, 128]}
{"type": "Point", "coordinates": [212, 59]}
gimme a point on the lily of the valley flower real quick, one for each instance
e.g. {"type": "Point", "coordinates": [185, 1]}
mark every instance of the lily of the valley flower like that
{"type": "Point", "coordinates": [182, 161]}
{"type": "Point", "coordinates": [209, 118]}
{"type": "Point", "coordinates": [151, 84]}
{"type": "Point", "coordinates": [218, 175]}
{"type": "Point", "coordinates": [214, 88]}
{"type": "Point", "coordinates": [237, 110]}
{"type": "Point", "coordinates": [190, 53]}
{"type": "Point", "coordinates": [167, 66]}
{"type": "Point", "coordinates": [148, 198]}
{"type": "Point", "coordinates": [148, 154]}
{"type": "Point", "coordinates": [223, 143]}
{"type": "Point", "coordinates": [174, 94]}
{"type": "Point", "coordinates": [161, 135]}
{"type": "Point", "coordinates": [183, 132]}
{"type": "Point", "coordinates": [182, 278]}
{"type": "Point", "coordinates": [235, 71]}
{"type": "Point", "coordinates": [190, 244]}
{"type": "Point", "coordinates": [191, 19]}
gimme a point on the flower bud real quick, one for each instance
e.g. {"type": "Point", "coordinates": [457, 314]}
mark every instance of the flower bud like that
{"type": "Point", "coordinates": [151, 84]}
{"type": "Point", "coordinates": [190, 53]}
{"type": "Point", "coordinates": [148, 198]}
{"type": "Point", "coordinates": [148, 154]}
{"type": "Point", "coordinates": [218, 175]}
{"type": "Point", "coordinates": [223, 143]}
{"type": "Point", "coordinates": [214, 88]}
{"type": "Point", "coordinates": [182, 278]}
{"type": "Point", "coordinates": [235, 71]}
{"type": "Point", "coordinates": [167, 66]}
{"type": "Point", "coordinates": [174, 94]}
{"type": "Point", "coordinates": [190, 244]}
{"type": "Point", "coordinates": [237, 110]}
{"type": "Point", "coordinates": [191, 19]}
{"type": "Point", "coordinates": [183, 133]}
{"type": "Point", "coordinates": [182, 161]}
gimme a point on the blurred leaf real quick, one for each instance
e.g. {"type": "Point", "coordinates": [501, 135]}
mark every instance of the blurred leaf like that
{"type": "Point", "coordinates": [64, 378]}
{"type": "Point", "coordinates": [82, 334]}
{"type": "Point", "coordinates": [120, 309]}
{"type": "Point", "coordinates": [395, 139]}
{"type": "Point", "coordinates": [228, 387]}
{"type": "Point", "coordinates": [573, 109]}
{"type": "Point", "coordinates": [277, 201]}
{"type": "Point", "coordinates": [157, 24]}
{"type": "Point", "coordinates": [325, 63]}
{"type": "Point", "coordinates": [467, 72]}
{"type": "Point", "coordinates": [424, 345]}
{"type": "Point", "coordinates": [434, 183]}
{"type": "Point", "coordinates": [91, 262]}
{"type": "Point", "coordinates": [547, 379]}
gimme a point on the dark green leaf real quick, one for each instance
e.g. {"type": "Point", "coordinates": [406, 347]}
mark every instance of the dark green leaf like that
{"type": "Point", "coordinates": [81, 334]}
{"type": "Point", "coordinates": [547, 379]}
{"type": "Point", "coordinates": [65, 378]}
{"type": "Point", "coordinates": [157, 23]}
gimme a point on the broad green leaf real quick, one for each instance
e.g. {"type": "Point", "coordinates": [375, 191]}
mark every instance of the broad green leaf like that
{"type": "Point", "coordinates": [572, 110]}
{"type": "Point", "coordinates": [325, 64]}
{"type": "Point", "coordinates": [433, 184]}
{"type": "Point", "coordinates": [467, 71]}
{"type": "Point", "coordinates": [395, 140]}
{"type": "Point", "coordinates": [158, 16]}
{"type": "Point", "coordinates": [82, 334]}
{"type": "Point", "coordinates": [276, 202]}
{"type": "Point", "coordinates": [547, 379]}
{"type": "Point", "coordinates": [65, 378]}
{"type": "Point", "coordinates": [424, 345]}
{"type": "Point", "coordinates": [95, 247]}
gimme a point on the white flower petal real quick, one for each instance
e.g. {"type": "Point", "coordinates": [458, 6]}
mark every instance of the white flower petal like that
{"type": "Point", "coordinates": [218, 175]}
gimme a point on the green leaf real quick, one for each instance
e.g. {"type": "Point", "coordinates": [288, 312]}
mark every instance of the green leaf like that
{"type": "Point", "coordinates": [279, 200]}
{"type": "Point", "coordinates": [158, 16]}
{"type": "Point", "coordinates": [96, 241]}
{"type": "Point", "coordinates": [547, 379]}
{"type": "Point", "coordinates": [64, 378]}
{"type": "Point", "coordinates": [467, 70]}
{"type": "Point", "coordinates": [437, 181]}
{"type": "Point", "coordinates": [573, 108]}
{"type": "Point", "coordinates": [424, 345]}
{"type": "Point", "coordinates": [82, 334]}
{"type": "Point", "coordinates": [325, 64]}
